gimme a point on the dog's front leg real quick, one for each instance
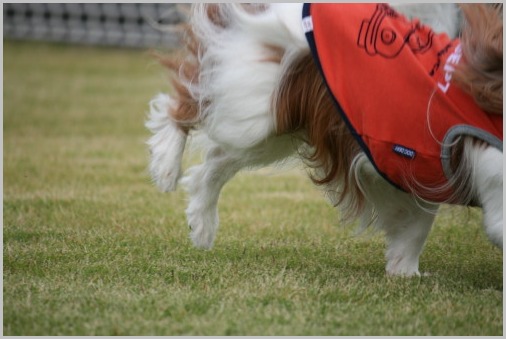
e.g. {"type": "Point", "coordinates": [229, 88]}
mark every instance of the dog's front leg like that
{"type": "Point", "coordinates": [488, 181]}
{"type": "Point", "coordinates": [406, 235]}
{"type": "Point", "coordinates": [405, 220]}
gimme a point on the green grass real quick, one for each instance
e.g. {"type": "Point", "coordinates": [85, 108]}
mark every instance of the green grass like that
{"type": "Point", "coordinates": [91, 248]}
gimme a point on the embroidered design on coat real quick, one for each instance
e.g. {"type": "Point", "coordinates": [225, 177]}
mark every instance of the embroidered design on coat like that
{"type": "Point", "coordinates": [377, 37]}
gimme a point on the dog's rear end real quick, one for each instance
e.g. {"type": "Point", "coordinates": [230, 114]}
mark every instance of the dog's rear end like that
{"type": "Point", "coordinates": [224, 86]}
{"type": "Point", "coordinates": [248, 83]}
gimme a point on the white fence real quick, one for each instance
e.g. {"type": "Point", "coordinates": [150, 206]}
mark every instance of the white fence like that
{"type": "Point", "coordinates": [114, 24]}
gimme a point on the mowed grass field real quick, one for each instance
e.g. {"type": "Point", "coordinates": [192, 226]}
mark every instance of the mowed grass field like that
{"type": "Point", "coordinates": [90, 247]}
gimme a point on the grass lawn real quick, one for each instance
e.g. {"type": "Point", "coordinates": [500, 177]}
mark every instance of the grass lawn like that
{"type": "Point", "coordinates": [90, 247]}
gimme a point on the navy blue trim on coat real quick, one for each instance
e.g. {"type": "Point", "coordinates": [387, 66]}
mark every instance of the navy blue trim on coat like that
{"type": "Point", "coordinates": [306, 12]}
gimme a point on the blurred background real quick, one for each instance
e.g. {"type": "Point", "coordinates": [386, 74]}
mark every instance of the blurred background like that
{"type": "Point", "coordinates": [137, 25]}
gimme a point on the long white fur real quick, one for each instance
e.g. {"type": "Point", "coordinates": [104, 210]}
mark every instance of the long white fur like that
{"type": "Point", "coordinates": [166, 145]}
{"type": "Point", "coordinates": [240, 131]}
{"type": "Point", "coordinates": [235, 81]}
{"type": "Point", "coordinates": [488, 180]}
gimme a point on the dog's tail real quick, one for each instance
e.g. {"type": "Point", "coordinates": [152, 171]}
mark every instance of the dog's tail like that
{"type": "Point", "coordinates": [171, 118]}
{"type": "Point", "coordinates": [167, 143]}
{"type": "Point", "coordinates": [482, 40]}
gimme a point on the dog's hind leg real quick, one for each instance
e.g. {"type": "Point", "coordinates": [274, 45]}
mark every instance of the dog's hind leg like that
{"type": "Point", "coordinates": [405, 221]}
{"type": "Point", "coordinates": [205, 181]}
{"type": "Point", "coordinates": [488, 181]}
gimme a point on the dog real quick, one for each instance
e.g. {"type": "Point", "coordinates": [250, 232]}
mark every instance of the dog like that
{"type": "Point", "coordinates": [260, 84]}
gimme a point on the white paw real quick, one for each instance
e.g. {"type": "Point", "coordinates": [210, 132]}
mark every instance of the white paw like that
{"type": "Point", "coordinates": [402, 267]}
{"type": "Point", "coordinates": [403, 274]}
{"type": "Point", "coordinates": [203, 221]}
{"type": "Point", "coordinates": [203, 227]}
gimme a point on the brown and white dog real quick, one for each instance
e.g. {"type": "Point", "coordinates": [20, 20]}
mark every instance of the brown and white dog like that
{"type": "Point", "coordinates": [253, 86]}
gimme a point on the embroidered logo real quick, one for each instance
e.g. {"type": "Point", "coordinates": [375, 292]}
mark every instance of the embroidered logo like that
{"type": "Point", "coordinates": [404, 151]}
{"type": "Point", "coordinates": [377, 37]}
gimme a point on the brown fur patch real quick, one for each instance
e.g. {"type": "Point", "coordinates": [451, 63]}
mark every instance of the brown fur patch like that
{"type": "Point", "coordinates": [304, 105]}
{"type": "Point", "coordinates": [183, 67]}
{"type": "Point", "coordinates": [276, 54]}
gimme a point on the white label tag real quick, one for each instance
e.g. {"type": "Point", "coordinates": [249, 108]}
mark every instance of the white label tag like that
{"type": "Point", "coordinates": [307, 24]}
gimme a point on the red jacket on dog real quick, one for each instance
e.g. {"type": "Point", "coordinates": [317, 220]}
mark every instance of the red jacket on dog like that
{"type": "Point", "coordinates": [391, 80]}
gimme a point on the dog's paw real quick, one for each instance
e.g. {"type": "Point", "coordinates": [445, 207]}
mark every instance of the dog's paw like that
{"type": "Point", "coordinates": [409, 275]}
{"type": "Point", "coordinates": [201, 240]}
{"type": "Point", "coordinates": [203, 223]}
{"type": "Point", "coordinates": [200, 237]}
{"type": "Point", "coordinates": [404, 274]}
{"type": "Point", "coordinates": [402, 267]}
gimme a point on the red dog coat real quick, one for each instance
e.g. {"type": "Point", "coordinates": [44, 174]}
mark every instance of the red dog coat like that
{"type": "Point", "coordinates": [391, 81]}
